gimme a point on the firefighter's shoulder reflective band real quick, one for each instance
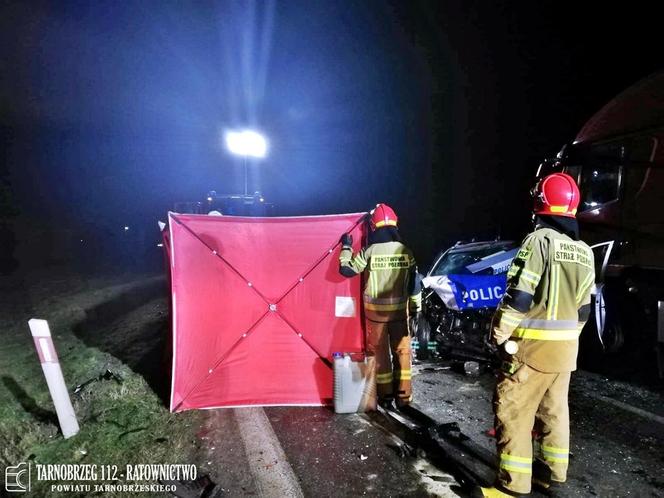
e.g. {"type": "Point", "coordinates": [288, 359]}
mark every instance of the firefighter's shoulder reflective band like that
{"type": "Point", "coordinates": [526, 275]}
{"type": "Point", "coordinates": [552, 454]}
{"type": "Point", "coordinates": [531, 276]}
{"type": "Point", "coordinates": [546, 335]}
{"type": "Point", "coordinates": [521, 465]}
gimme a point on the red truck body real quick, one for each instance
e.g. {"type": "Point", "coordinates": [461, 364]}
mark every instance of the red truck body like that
{"type": "Point", "coordinates": [618, 161]}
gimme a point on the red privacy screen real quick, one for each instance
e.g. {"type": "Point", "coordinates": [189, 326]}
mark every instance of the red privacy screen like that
{"type": "Point", "coordinates": [258, 308]}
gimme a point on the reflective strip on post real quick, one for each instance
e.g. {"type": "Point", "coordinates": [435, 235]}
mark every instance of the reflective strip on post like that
{"type": "Point", "coordinates": [48, 358]}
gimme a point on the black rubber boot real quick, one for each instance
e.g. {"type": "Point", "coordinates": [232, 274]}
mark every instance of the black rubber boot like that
{"type": "Point", "coordinates": [386, 403]}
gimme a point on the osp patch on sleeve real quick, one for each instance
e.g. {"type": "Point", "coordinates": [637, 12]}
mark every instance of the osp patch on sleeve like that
{"type": "Point", "coordinates": [524, 253]}
{"type": "Point", "coordinates": [567, 251]}
{"type": "Point", "coordinates": [519, 261]}
{"type": "Point", "coordinates": [389, 262]}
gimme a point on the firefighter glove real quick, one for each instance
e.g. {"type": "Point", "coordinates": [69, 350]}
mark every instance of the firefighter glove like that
{"type": "Point", "coordinates": [346, 240]}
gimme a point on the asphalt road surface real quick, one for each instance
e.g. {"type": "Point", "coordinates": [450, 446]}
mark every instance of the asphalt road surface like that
{"type": "Point", "coordinates": [617, 441]}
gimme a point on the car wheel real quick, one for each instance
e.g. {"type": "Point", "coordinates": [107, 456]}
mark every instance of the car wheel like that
{"type": "Point", "coordinates": [613, 338]}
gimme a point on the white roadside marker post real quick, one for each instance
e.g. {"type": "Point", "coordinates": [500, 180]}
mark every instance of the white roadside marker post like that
{"type": "Point", "coordinates": [48, 358]}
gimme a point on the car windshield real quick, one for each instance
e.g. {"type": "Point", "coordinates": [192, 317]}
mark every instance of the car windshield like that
{"type": "Point", "coordinates": [457, 261]}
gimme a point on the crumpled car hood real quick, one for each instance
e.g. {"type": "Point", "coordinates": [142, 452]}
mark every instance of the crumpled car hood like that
{"type": "Point", "coordinates": [443, 287]}
{"type": "Point", "coordinates": [459, 292]}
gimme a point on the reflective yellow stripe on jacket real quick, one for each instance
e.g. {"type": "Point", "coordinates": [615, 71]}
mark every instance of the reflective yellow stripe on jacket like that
{"type": "Point", "coordinates": [583, 288]}
{"type": "Point", "coordinates": [547, 330]}
{"type": "Point", "coordinates": [530, 277]}
{"type": "Point", "coordinates": [546, 335]}
{"type": "Point", "coordinates": [548, 283]}
{"type": "Point", "coordinates": [554, 293]}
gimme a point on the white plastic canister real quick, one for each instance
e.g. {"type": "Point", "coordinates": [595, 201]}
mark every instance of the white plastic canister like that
{"type": "Point", "coordinates": [354, 384]}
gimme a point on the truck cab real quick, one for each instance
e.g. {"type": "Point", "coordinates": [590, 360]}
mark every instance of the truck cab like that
{"type": "Point", "coordinates": [617, 160]}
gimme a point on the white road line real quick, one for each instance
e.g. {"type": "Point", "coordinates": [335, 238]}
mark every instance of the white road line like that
{"type": "Point", "coordinates": [626, 407]}
{"type": "Point", "coordinates": [272, 473]}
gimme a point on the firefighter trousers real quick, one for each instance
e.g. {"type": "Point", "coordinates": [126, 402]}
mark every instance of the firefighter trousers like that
{"type": "Point", "coordinates": [522, 399]}
{"type": "Point", "coordinates": [393, 371]}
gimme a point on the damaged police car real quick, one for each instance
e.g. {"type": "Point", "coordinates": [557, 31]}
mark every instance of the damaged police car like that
{"type": "Point", "coordinates": [460, 294]}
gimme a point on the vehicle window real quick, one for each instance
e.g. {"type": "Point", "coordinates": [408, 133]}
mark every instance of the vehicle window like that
{"type": "Point", "coordinates": [547, 167]}
{"type": "Point", "coordinates": [457, 262]}
{"type": "Point", "coordinates": [599, 185]}
{"type": "Point", "coordinates": [601, 169]}
{"type": "Point", "coordinates": [574, 172]}
{"type": "Point", "coordinates": [640, 152]}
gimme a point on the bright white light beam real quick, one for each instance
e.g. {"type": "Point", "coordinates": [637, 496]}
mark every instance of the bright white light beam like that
{"type": "Point", "coordinates": [246, 143]}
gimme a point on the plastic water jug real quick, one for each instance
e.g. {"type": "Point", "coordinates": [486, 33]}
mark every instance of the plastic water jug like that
{"type": "Point", "coordinates": [354, 384]}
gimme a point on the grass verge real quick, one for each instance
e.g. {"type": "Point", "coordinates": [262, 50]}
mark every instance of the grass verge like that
{"type": "Point", "coordinates": [123, 421]}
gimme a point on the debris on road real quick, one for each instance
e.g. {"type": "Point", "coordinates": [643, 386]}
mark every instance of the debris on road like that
{"type": "Point", "coordinates": [107, 375]}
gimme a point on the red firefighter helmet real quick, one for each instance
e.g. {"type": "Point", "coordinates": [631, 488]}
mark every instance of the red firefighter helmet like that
{"type": "Point", "coordinates": [382, 216]}
{"type": "Point", "coordinates": [556, 194]}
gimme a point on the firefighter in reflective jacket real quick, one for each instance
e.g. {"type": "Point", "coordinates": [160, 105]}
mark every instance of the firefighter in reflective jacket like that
{"type": "Point", "coordinates": [545, 306]}
{"type": "Point", "coordinates": [390, 296]}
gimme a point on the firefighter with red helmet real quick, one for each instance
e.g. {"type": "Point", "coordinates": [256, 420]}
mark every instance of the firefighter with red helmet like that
{"type": "Point", "coordinates": [537, 326]}
{"type": "Point", "coordinates": [390, 297]}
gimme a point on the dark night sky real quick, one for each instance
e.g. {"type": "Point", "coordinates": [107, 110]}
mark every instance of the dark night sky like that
{"type": "Point", "coordinates": [112, 111]}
